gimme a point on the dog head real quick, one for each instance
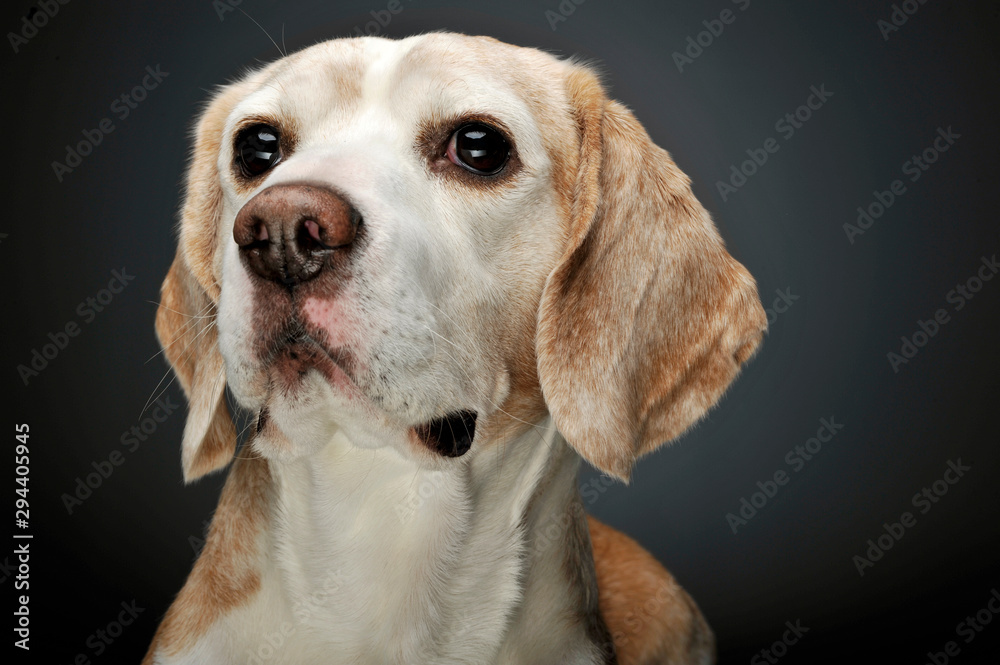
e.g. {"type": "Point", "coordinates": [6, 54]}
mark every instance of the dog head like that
{"type": "Point", "coordinates": [423, 243]}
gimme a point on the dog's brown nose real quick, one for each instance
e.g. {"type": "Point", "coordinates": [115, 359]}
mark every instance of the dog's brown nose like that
{"type": "Point", "coordinates": [287, 232]}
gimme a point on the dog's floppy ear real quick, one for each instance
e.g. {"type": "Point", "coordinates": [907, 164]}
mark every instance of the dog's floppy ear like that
{"type": "Point", "coordinates": [185, 319]}
{"type": "Point", "coordinates": [646, 318]}
{"type": "Point", "coordinates": [185, 325]}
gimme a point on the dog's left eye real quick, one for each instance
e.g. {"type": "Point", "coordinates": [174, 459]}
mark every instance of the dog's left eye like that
{"type": "Point", "coordinates": [257, 149]}
{"type": "Point", "coordinates": [478, 148]}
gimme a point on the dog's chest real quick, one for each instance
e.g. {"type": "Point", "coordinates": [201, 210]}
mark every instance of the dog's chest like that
{"type": "Point", "coordinates": [390, 564]}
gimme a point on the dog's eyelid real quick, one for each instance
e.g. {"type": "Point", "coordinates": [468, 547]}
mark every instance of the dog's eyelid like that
{"type": "Point", "coordinates": [445, 126]}
{"type": "Point", "coordinates": [241, 127]}
{"type": "Point", "coordinates": [484, 119]}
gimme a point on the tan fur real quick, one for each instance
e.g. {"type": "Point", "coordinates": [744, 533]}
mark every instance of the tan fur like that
{"type": "Point", "coordinates": [652, 620]}
{"type": "Point", "coordinates": [185, 325]}
{"type": "Point", "coordinates": [227, 572]}
{"type": "Point", "coordinates": [646, 319]}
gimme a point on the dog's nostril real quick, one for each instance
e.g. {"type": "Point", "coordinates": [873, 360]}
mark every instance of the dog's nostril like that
{"type": "Point", "coordinates": [312, 237]}
{"type": "Point", "coordinates": [313, 229]}
{"type": "Point", "coordinates": [308, 238]}
{"type": "Point", "coordinates": [260, 233]}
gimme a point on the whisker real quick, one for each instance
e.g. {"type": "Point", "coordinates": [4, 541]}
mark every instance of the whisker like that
{"type": "Point", "coordinates": [152, 399]}
{"type": "Point", "coordinates": [190, 316]}
{"type": "Point", "coordinates": [185, 328]}
{"type": "Point", "coordinates": [264, 31]}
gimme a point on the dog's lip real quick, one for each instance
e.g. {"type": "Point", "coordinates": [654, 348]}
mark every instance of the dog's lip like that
{"type": "Point", "coordinates": [450, 435]}
{"type": "Point", "coordinates": [300, 339]}
{"type": "Point", "coordinates": [333, 364]}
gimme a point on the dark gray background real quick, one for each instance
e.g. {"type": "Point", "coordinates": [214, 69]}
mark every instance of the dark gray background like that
{"type": "Point", "coordinates": [825, 356]}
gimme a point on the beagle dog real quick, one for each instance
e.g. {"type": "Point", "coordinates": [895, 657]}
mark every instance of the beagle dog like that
{"type": "Point", "coordinates": [436, 272]}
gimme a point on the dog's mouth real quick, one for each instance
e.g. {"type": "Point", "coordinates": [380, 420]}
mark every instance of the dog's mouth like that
{"type": "Point", "coordinates": [295, 352]}
{"type": "Point", "coordinates": [450, 436]}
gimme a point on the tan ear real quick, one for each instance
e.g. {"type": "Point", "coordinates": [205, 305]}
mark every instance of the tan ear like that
{"type": "Point", "coordinates": [185, 319]}
{"type": "Point", "coordinates": [646, 318]}
{"type": "Point", "coordinates": [185, 325]}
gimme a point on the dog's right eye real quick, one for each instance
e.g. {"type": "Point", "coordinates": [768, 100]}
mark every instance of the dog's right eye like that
{"type": "Point", "coordinates": [478, 148]}
{"type": "Point", "coordinates": [257, 149]}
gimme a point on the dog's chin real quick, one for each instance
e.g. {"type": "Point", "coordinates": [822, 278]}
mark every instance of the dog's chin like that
{"type": "Point", "coordinates": [309, 398]}
{"type": "Point", "coordinates": [294, 418]}
{"type": "Point", "coordinates": [299, 390]}
{"type": "Point", "coordinates": [302, 411]}
{"type": "Point", "coordinates": [291, 430]}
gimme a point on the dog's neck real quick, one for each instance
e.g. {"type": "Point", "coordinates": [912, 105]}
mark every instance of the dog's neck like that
{"type": "Point", "coordinates": [487, 561]}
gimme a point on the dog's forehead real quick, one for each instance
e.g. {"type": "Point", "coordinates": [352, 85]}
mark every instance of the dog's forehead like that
{"type": "Point", "coordinates": [430, 75]}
